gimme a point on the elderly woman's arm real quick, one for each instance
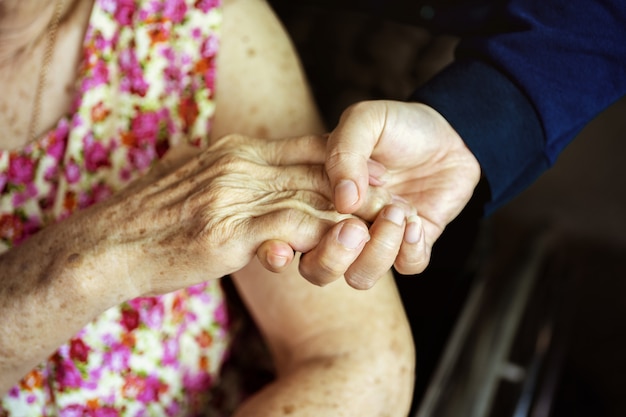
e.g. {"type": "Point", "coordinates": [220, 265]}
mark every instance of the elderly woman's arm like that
{"type": "Point", "coordinates": [338, 351]}
{"type": "Point", "coordinates": [190, 223]}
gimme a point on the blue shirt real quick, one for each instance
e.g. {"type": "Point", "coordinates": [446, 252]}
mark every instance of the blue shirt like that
{"type": "Point", "coordinates": [523, 88]}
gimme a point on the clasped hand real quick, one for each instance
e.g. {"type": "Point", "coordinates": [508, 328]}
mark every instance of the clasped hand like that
{"type": "Point", "coordinates": [199, 215]}
{"type": "Point", "coordinates": [410, 151]}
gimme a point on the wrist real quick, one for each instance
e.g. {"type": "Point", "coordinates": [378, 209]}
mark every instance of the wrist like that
{"type": "Point", "coordinates": [92, 263]}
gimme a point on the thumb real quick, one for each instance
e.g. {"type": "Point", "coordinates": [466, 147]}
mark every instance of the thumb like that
{"type": "Point", "coordinates": [349, 147]}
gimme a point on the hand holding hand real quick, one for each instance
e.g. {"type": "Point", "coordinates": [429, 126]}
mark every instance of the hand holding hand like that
{"type": "Point", "coordinates": [195, 218]}
{"type": "Point", "coordinates": [411, 151]}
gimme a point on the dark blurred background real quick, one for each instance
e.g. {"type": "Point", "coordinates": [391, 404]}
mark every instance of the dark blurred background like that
{"type": "Point", "coordinates": [578, 291]}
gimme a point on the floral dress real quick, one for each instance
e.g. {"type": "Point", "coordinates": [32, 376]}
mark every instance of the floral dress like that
{"type": "Point", "coordinates": [145, 83]}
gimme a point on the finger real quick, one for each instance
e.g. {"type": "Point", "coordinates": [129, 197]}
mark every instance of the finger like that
{"type": "Point", "coordinates": [275, 255]}
{"type": "Point", "coordinates": [296, 178]}
{"type": "Point", "coordinates": [349, 148]}
{"type": "Point", "coordinates": [380, 253]}
{"type": "Point", "coordinates": [329, 260]}
{"type": "Point", "coordinates": [298, 228]}
{"type": "Point", "coordinates": [414, 255]}
{"type": "Point", "coordinates": [313, 178]}
{"type": "Point", "coordinates": [309, 149]}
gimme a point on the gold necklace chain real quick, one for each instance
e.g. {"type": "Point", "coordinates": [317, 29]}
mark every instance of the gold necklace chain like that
{"type": "Point", "coordinates": [51, 34]}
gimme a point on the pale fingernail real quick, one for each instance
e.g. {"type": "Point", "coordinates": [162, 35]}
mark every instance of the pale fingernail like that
{"type": "Point", "coordinates": [352, 236]}
{"type": "Point", "coordinates": [347, 192]}
{"type": "Point", "coordinates": [277, 261]}
{"type": "Point", "coordinates": [394, 214]}
{"type": "Point", "coordinates": [413, 231]}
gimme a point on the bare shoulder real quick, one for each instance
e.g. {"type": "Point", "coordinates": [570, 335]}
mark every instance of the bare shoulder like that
{"type": "Point", "coordinates": [261, 89]}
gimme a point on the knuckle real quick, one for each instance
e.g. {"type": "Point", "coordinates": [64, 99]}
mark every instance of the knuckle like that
{"type": "Point", "coordinates": [317, 274]}
{"type": "Point", "coordinates": [385, 245]}
{"type": "Point", "coordinates": [359, 281]}
{"type": "Point", "coordinates": [230, 162]}
{"type": "Point", "coordinates": [330, 269]}
{"type": "Point", "coordinates": [412, 263]}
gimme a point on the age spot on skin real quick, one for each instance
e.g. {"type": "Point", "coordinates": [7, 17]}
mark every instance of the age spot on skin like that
{"type": "Point", "coordinates": [74, 260]}
{"type": "Point", "coordinates": [289, 409]}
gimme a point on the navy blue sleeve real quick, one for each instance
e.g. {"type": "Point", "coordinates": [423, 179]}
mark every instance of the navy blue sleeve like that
{"type": "Point", "coordinates": [519, 96]}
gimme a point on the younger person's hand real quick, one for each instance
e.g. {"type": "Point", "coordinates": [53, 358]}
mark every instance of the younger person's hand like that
{"type": "Point", "coordinates": [411, 151]}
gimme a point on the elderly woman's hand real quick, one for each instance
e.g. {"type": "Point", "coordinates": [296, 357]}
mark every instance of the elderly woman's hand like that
{"type": "Point", "coordinates": [195, 218]}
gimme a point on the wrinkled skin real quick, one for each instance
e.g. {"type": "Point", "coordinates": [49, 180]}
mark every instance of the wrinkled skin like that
{"type": "Point", "coordinates": [208, 213]}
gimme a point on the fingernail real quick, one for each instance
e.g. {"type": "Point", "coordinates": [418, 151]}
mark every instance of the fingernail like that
{"type": "Point", "coordinates": [347, 192]}
{"type": "Point", "coordinates": [352, 236]}
{"type": "Point", "coordinates": [277, 261]}
{"type": "Point", "coordinates": [394, 214]}
{"type": "Point", "coordinates": [413, 231]}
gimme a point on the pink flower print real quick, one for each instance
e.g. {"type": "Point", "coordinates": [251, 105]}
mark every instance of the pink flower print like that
{"type": "Point", "coordinates": [171, 347]}
{"type": "Point", "coordinates": [145, 127]}
{"type": "Point", "coordinates": [221, 315]}
{"type": "Point", "coordinates": [197, 382]}
{"type": "Point", "coordinates": [48, 201]}
{"type": "Point", "coordinates": [104, 412]}
{"type": "Point", "coordinates": [209, 78]}
{"type": "Point", "coordinates": [68, 376]}
{"type": "Point", "coordinates": [130, 319]}
{"type": "Point", "coordinates": [101, 43]}
{"type": "Point", "coordinates": [126, 174]}
{"type": "Point", "coordinates": [124, 12]}
{"type": "Point", "coordinates": [144, 389]}
{"type": "Point", "coordinates": [79, 351]}
{"type": "Point", "coordinates": [108, 5]}
{"type": "Point", "coordinates": [118, 357]}
{"type": "Point", "coordinates": [74, 410]}
{"type": "Point", "coordinates": [11, 228]}
{"type": "Point", "coordinates": [173, 409]}
{"type": "Point", "coordinates": [84, 199]}
{"type": "Point", "coordinates": [210, 47]}
{"type": "Point", "coordinates": [196, 289]}
{"type": "Point", "coordinates": [21, 169]}
{"type": "Point", "coordinates": [99, 75]}
{"type": "Point", "coordinates": [30, 227]}
{"type": "Point", "coordinates": [153, 387]}
{"type": "Point", "coordinates": [21, 197]}
{"type": "Point", "coordinates": [132, 80]}
{"type": "Point", "coordinates": [14, 392]}
{"type": "Point", "coordinates": [173, 73]}
{"type": "Point", "coordinates": [51, 173]}
{"type": "Point", "coordinates": [175, 10]}
{"type": "Point", "coordinates": [100, 192]}
{"type": "Point", "coordinates": [142, 158]}
{"type": "Point", "coordinates": [72, 172]}
{"type": "Point", "coordinates": [56, 148]}
{"type": "Point", "coordinates": [207, 5]}
{"type": "Point", "coordinates": [153, 317]}
{"type": "Point", "coordinates": [96, 155]}
{"type": "Point", "coordinates": [54, 143]}
{"type": "Point", "coordinates": [4, 178]}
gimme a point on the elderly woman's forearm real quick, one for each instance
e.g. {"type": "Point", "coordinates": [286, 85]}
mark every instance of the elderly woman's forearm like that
{"type": "Point", "coordinates": [50, 287]}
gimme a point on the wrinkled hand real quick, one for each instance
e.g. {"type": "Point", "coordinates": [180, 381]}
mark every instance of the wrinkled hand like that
{"type": "Point", "coordinates": [199, 217]}
{"type": "Point", "coordinates": [411, 151]}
